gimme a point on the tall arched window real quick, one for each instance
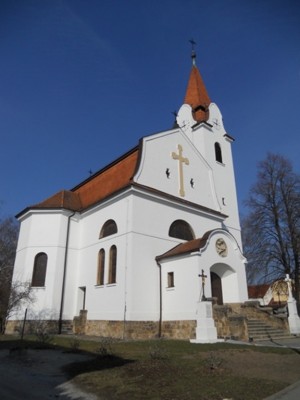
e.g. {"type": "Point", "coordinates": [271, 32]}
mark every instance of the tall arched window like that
{"type": "Point", "coordinates": [218, 152]}
{"type": "Point", "coordinates": [39, 270]}
{"type": "Point", "coordinates": [108, 228]}
{"type": "Point", "coordinates": [101, 266]}
{"type": "Point", "coordinates": [112, 273]}
{"type": "Point", "coordinates": [181, 230]}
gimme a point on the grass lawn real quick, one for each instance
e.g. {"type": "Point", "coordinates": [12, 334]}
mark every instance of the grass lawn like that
{"type": "Point", "coordinates": [171, 369]}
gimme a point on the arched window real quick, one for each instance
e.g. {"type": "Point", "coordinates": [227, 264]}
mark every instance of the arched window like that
{"type": "Point", "coordinates": [112, 273]}
{"type": "Point", "coordinates": [109, 228]}
{"type": "Point", "coordinates": [218, 152]}
{"type": "Point", "coordinates": [101, 265]}
{"type": "Point", "coordinates": [39, 270]}
{"type": "Point", "coordinates": [181, 230]}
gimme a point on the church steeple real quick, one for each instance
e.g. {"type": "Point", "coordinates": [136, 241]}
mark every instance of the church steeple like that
{"type": "Point", "coordinates": [196, 94]}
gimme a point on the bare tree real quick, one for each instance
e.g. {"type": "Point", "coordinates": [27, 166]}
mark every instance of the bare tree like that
{"type": "Point", "coordinates": [12, 295]}
{"type": "Point", "coordinates": [271, 231]}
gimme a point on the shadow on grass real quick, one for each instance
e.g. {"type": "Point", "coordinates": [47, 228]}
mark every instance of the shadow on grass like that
{"type": "Point", "coordinates": [97, 363]}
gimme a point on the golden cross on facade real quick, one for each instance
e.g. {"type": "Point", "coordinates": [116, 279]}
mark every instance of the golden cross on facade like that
{"type": "Point", "coordinates": [182, 160]}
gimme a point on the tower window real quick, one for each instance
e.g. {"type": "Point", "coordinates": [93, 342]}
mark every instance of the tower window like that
{"type": "Point", "coordinates": [218, 152]}
{"type": "Point", "coordinates": [181, 230]}
{"type": "Point", "coordinates": [39, 270]}
{"type": "Point", "coordinates": [108, 228]}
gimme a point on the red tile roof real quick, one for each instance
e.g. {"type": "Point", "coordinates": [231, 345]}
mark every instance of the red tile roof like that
{"type": "Point", "coordinates": [196, 96]}
{"type": "Point", "coordinates": [63, 199]}
{"type": "Point", "coordinates": [105, 182]}
{"type": "Point", "coordinates": [186, 247]}
{"type": "Point", "coordinates": [257, 291]}
{"type": "Point", "coordinates": [114, 177]}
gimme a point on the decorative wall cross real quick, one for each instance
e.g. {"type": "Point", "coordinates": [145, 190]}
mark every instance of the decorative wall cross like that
{"type": "Point", "coordinates": [182, 160]}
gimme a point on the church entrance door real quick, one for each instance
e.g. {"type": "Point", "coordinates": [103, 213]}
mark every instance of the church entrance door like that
{"type": "Point", "coordinates": [216, 287]}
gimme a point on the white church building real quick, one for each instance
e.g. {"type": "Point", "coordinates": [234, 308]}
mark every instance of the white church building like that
{"type": "Point", "coordinates": [121, 253]}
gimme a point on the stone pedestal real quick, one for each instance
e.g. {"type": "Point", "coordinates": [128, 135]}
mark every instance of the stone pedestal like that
{"type": "Point", "coordinates": [294, 320]}
{"type": "Point", "coordinates": [206, 331]}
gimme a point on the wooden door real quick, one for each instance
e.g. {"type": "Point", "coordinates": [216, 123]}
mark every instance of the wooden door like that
{"type": "Point", "coordinates": [216, 287]}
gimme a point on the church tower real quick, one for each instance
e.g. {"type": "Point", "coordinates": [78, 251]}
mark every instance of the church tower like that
{"type": "Point", "coordinates": [201, 121]}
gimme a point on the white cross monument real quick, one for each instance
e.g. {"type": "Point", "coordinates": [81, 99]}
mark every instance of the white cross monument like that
{"type": "Point", "coordinates": [294, 320]}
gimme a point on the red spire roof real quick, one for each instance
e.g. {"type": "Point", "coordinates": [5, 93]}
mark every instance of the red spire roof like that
{"type": "Point", "coordinates": [196, 95]}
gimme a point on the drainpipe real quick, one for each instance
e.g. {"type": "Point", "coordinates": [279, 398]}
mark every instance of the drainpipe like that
{"type": "Point", "coordinates": [160, 301]}
{"type": "Point", "coordinates": [64, 275]}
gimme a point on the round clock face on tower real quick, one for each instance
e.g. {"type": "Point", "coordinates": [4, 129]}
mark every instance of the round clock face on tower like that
{"type": "Point", "coordinates": [221, 247]}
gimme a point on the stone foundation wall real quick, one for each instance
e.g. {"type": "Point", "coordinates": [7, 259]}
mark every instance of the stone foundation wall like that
{"type": "Point", "coordinates": [136, 329]}
{"type": "Point", "coordinates": [179, 329]}
{"type": "Point", "coordinates": [228, 324]}
{"type": "Point", "coordinates": [13, 327]}
{"type": "Point", "coordinates": [31, 327]}
{"type": "Point", "coordinates": [79, 323]}
{"type": "Point", "coordinates": [115, 329]}
{"type": "Point", "coordinates": [230, 321]}
{"type": "Point", "coordinates": [122, 329]}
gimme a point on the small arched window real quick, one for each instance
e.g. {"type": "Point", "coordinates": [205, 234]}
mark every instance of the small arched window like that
{"type": "Point", "coordinates": [112, 273]}
{"type": "Point", "coordinates": [101, 266]}
{"type": "Point", "coordinates": [39, 270]}
{"type": "Point", "coordinates": [218, 152]}
{"type": "Point", "coordinates": [109, 228]}
{"type": "Point", "coordinates": [181, 230]}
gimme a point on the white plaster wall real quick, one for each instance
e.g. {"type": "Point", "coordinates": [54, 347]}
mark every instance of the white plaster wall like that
{"type": "Point", "coordinates": [107, 301]}
{"type": "Point", "coordinates": [150, 238]}
{"type": "Point", "coordinates": [157, 158]}
{"type": "Point", "coordinates": [143, 227]}
{"type": "Point", "coordinates": [42, 232]}
{"type": "Point", "coordinates": [204, 137]}
{"type": "Point", "coordinates": [179, 302]}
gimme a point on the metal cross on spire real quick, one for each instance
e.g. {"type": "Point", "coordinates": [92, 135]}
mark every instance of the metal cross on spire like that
{"type": "Point", "coordinates": [193, 43]}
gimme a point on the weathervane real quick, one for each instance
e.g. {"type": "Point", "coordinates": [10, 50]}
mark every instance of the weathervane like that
{"type": "Point", "coordinates": [193, 43]}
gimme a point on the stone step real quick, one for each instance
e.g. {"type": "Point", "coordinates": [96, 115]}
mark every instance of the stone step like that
{"type": "Point", "coordinates": [259, 330]}
{"type": "Point", "coordinates": [264, 329]}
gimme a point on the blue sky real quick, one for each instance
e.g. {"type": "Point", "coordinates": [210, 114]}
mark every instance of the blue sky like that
{"type": "Point", "coordinates": [82, 80]}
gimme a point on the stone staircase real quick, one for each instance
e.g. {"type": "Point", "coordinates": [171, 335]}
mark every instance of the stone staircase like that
{"type": "Point", "coordinates": [259, 330]}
